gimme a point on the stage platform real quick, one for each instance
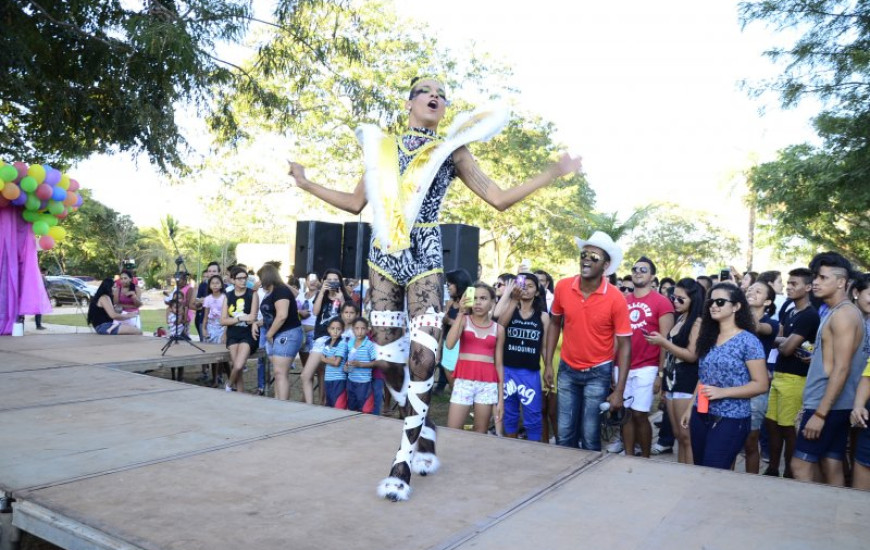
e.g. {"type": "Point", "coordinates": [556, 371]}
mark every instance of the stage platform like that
{"type": "Point", "coordinates": [100, 458]}
{"type": "Point", "coordinates": [128, 353]}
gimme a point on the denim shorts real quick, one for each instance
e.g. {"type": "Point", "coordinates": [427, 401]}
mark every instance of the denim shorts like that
{"type": "Point", "coordinates": [285, 344]}
{"type": "Point", "coordinates": [110, 328]}
{"type": "Point", "coordinates": [758, 404]}
{"type": "Point", "coordinates": [831, 442]}
{"type": "Point", "coordinates": [862, 448]}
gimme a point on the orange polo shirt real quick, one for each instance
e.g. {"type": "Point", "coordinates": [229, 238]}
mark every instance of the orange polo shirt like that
{"type": "Point", "coordinates": [590, 325]}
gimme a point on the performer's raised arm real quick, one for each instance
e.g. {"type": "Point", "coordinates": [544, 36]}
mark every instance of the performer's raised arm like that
{"type": "Point", "coordinates": [501, 199]}
{"type": "Point", "coordinates": [349, 202]}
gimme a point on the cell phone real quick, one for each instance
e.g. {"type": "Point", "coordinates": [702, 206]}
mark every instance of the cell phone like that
{"type": "Point", "coordinates": [335, 285]}
{"type": "Point", "coordinates": [645, 332]}
{"type": "Point", "coordinates": [469, 294]}
{"type": "Point", "coordinates": [521, 281]}
{"type": "Point", "coordinates": [725, 275]}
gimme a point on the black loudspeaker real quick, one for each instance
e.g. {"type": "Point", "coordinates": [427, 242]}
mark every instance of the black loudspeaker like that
{"type": "Point", "coordinates": [355, 252]}
{"type": "Point", "coordinates": [461, 244]}
{"type": "Point", "coordinates": [318, 247]}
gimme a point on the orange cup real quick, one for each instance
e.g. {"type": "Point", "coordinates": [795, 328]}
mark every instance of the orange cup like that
{"type": "Point", "coordinates": [703, 400]}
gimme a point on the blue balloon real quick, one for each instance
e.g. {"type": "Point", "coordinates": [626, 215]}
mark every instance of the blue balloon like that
{"type": "Point", "coordinates": [22, 198]}
{"type": "Point", "coordinates": [58, 194]}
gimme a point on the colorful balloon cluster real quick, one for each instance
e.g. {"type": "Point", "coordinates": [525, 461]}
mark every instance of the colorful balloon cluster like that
{"type": "Point", "coordinates": [46, 195]}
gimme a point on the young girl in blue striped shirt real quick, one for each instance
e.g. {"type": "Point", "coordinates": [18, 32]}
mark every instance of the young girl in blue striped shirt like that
{"type": "Point", "coordinates": [360, 361]}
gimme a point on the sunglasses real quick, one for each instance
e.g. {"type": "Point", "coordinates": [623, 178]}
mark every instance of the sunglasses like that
{"type": "Point", "coordinates": [679, 299]}
{"type": "Point", "coordinates": [242, 278]}
{"type": "Point", "coordinates": [626, 289]}
{"type": "Point", "coordinates": [719, 302]}
{"type": "Point", "coordinates": [592, 256]}
{"type": "Point", "coordinates": [498, 285]}
{"type": "Point", "coordinates": [640, 269]}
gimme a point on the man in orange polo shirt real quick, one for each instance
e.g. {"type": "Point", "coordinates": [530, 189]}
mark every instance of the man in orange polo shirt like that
{"type": "Point", "coordinates": [593, 314]}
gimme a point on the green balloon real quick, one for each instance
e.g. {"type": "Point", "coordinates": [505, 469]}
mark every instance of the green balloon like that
{"type": "Point", "coordinates": [30, 216]}
{"type": "Point", "coordinates": [40, 228]}
{"type": "Point", "coordinates": [50, 220]}
{"type": "Point", "coordinates": [28, 184]}
{"type": "Point", "coordinates": [8, 173]}
{"type": "Point", "coordinates": [32, 203]}
{"type": "Point", "coordinates": [55, 207]}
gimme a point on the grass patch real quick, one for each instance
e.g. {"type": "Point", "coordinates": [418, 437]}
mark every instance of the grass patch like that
{"type": "Point", "coordinates": [151, 319]}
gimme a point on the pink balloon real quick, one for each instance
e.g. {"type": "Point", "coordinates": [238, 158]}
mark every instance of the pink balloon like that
{"type": "Point", "coordinates": [22, 169]}
{"type": "Point", "coordinates": [63, 214]}
{"type": "Point", "coordinates": [73, 185]}
{"type": "Point", "coordinates": [44, 191]}
{"type": "Point", "coordinates": [46, 242]}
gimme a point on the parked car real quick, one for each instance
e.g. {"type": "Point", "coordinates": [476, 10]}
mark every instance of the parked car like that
{"type": "Point", "coordinates": [68, 290]}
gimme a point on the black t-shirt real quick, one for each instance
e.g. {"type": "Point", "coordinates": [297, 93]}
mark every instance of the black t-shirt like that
{"type": "Point", "coordinates": [267, 308]}
{"type": "Point", "coordinates": [768, 340]}
{"type": "Point", "coordinates": [523, 342]}
{"type": "Point", "coordinates": [329, 310]}
{"type": "Point", "coordinates": [236, 304]}
{"type": "Point", "coordinates": [805, 323]}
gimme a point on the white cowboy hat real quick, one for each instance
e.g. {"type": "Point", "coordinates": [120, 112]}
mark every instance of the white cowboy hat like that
{"type": "Point", "coordinates": [602, 240]}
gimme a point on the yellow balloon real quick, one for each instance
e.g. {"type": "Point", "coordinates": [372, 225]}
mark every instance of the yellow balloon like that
{"type": "Point", "coordinates": [64, 182]}
{"type": "Point", "coordinates": [57, 232]}
{"type": "Point", "coordinates": [37, 172]}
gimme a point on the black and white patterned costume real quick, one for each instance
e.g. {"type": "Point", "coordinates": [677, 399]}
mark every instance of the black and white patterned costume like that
{"type": "Point", "coordinates": [424, 257]}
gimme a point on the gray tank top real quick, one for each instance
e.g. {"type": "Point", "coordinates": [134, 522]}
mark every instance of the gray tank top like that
{"type": "Point", "coordinates": [817, 380]}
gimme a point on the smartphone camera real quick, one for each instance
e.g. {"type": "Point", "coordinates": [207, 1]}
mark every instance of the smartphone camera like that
{"type": "Point", "coordinates": [725, 275]}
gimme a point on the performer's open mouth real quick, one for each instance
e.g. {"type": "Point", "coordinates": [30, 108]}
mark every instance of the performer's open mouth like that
{"type": "Point", "coordinates": [433, 104]}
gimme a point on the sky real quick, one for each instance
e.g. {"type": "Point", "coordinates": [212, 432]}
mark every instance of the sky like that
{"type": "Point", "coordinates": [646, 92]}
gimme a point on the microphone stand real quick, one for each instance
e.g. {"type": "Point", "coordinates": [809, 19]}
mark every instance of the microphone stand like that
{"type": "Point", "coordinates": [177, 335]}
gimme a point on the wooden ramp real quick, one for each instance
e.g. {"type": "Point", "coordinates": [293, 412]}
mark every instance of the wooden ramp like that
{"type": "Point", "coordinates": [99, 458]}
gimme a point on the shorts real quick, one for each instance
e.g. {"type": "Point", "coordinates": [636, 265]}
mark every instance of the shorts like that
{"type": "Point", "coordinates": [242, 337]}
{"type": "Point", "coordinates": [307, 341]}
{"type": "Point", "coordinates": [832, 441]}
{"type": "Point", "coordinates": [360, 397]}
{"type": "Point", "coordinates": [336, 393]}
{"type": "Point", "coordinates": [285, 344]}
{"type": "Point", "coordinates": [670, 395]}
{"type": "Point", "coordinates": [424, 256]}
{"type": "Point", "coordinates": [215, 333]}
{"type": "Point", "coordinates": [469, 392]}
{"type": "Point", "coordinates": [111, 328]}
{"type": "Point", "coordinates": [758, 404]}
{"type": "Point", "coordinates": [639, 386]}
{"type": "Point", "coordinates": [319, 344]}
{"type": "Point", "coordinates": [786, 398]}
{"type": "Point", "coordinates": [681, 378]}
{"type": "Point", "coordinates": [862, 448]}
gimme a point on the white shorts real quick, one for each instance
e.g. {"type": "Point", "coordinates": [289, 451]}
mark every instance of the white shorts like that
{"type": "Point", "coordinates": [670, 395]}
{"type": "Point", "coordinates": [469, 392]}
{"type": "Point", "coordinates": [639, 387]}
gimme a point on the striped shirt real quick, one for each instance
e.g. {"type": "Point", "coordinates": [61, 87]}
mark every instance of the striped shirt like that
{"type": "Point", "coordinates": [365, 353]}
{"type": "Point", "coordinates": [334, 374]}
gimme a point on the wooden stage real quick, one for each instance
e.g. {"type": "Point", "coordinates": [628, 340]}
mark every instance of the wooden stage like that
{"type": "Point", "coordinates": [96, 457]}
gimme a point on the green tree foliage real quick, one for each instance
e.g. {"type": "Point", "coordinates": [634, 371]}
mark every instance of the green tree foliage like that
{"type": "Point", "coordinates": [821, 193]}
{"type": "Point", "coordinates": [676, 240]}
{"type": "Point", "coordinates": [90, 76]}
{"type": "Point", "coordinates": [98, 240]}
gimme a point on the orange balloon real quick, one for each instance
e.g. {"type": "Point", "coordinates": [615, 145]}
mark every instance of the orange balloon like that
{"type": "Point", "coordinates": [11, 191]}
{"type": "Point", "coordinates": [70, 199]}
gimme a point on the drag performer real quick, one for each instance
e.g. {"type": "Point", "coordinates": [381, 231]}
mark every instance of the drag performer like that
{"type": "Point", "coordinates": [406, 178]}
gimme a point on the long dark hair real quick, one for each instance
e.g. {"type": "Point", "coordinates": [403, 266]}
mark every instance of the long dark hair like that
{"type": "Point", "coordinates": [129, 274]}
{"type": "Point", "coordinates": [710, 328]}
{"type": "Point", "coordinates": [539, 302]}
{"type": "Point", "coordinates": [695, 292]}
{"type": "Point", "coordinates": [105, 289]}
{"type": "Point", "coordinates": [341, 286]}
{"type": "Point", "coordinates": [460, 279]}
{"type": "Point", "coordinates": [770, 309]}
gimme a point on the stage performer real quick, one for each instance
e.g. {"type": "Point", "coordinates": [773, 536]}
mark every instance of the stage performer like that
{"type": "Point", "coordinates": [406, 178]}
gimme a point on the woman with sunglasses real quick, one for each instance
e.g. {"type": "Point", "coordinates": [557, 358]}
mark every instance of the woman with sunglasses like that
{"type": "Point", "coordinates": [681, 361]}
{"type": "Point", "coordinates": [501, 283]}
{"type": "Point", "coordinates": [406, 179]}
{"type": "Point", "coordinates": [731, 370]}
{"type": "Point", "coordinates": [238, 312]}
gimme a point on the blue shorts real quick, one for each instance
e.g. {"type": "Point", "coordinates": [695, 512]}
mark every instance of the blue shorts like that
{"type": "Point", "coordinates": [831, 442]}
{"type": "Point", "coordinates": [307, 341]}
{"type": "Point", "coordinates": [758, 404]}
{"type": "Point", "coordinates": [522, 390]}
{"type": "Point", "coordinates": [110, 328]}
{"type": "Point", "coordinates": [336, 393]}
{"type": "Point", "coordinates": [360, 397]}
{"type": "Point", "coordinates": [285, 344]}
{"type": "Point", "coordinates": [319, 344]}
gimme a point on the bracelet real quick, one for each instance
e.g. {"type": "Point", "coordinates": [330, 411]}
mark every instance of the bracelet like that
{"type": "Point", "coordinates": [820, 415]}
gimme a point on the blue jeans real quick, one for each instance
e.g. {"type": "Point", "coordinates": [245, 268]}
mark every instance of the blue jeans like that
{"type": "Point", "coordinates": [716, 441]}
{"type": "Point", "coordinates": [378, 391]}
{"type": "Point", "coordinates": [581, 392]}
{"type": "Point", "coordinates": [261, 361]}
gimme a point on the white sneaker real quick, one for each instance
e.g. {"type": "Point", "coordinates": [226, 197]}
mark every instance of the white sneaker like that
{"type": "Point", "coordinates": [227, 388]}
{"type": "Point", "coordinates": [616, 447]}
{"type": "Point", "coordinates": [660, 449]}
